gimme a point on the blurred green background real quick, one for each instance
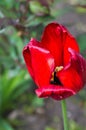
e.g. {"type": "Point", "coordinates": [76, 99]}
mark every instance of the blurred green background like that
{"type": "Point", "coordinates": [20, 20]}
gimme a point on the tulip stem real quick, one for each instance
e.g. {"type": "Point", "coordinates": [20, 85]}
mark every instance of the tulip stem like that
{"type": "Point", "coordinates": [64, 113]}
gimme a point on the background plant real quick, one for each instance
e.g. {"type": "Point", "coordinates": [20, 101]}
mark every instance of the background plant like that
{"type": "Point", "coordinates": [19, 21]}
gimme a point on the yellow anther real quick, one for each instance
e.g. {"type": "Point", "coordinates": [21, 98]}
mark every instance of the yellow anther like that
{"type": "Point", "coordinates": [58, 68]}
{"type": "Point", "coordinates": [53, 76]}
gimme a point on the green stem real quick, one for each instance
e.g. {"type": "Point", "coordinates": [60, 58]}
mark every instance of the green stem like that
{"type": "Point", "coordinates": [64, 112]}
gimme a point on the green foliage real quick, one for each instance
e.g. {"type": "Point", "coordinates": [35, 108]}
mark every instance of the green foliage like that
{"type": "Point", "coordinates": [75, 126]}
{"type": "Point", "coordinates": [37, 8]}
{"type": "Point", "coordinates": [19, 21]}
{"type": "Point", "coordinates": [6, 3]}
{"type": "Point", "coordinates": [4, 125]}
{"type": "Point", "coordinates": [11, 48]}
{"type": "Point", "coordinates": [12, 85]}
{"type": "Point", "coordinates": [49, 128]}
{"type": "Point", "coordinates": [9, 6]}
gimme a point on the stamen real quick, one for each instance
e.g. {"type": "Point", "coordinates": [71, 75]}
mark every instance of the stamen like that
{"type": "Point", "coordinates": [54, 79]}
{"type": "Point", "coordinates": [58, 68]}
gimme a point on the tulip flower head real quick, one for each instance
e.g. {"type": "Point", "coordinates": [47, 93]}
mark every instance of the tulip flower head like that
{"type": "Point", "coordinates": [55, 63]}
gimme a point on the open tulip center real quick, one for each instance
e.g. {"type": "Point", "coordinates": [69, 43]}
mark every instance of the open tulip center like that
{"type": "Point", "coordinates": [54, 79]}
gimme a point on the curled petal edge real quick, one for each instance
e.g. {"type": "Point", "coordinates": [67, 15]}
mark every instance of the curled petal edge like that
{"type": "Point", "coordinates": [55, 92]}
{"type": "Point", "coordinates": [79, 63]}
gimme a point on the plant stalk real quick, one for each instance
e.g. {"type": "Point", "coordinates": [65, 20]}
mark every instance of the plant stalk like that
{"type": "Point", "coordinates": [64, 113]}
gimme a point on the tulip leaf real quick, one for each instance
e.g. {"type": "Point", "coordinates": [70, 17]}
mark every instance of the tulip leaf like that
{"type": "Point", "coordinates": [12, 85]}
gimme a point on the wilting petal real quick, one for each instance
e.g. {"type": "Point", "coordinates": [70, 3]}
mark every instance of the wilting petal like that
{"type": "Point", "coordinates": [42, 64]}
{"type": "Point", "coordinates": [73, 76]}
{"type": "Point", "coordinates": [54, 91]}
{"type": "Point", "coordinates": [52, 40]}
{"type": "Point", "coordinates": [69, 42]}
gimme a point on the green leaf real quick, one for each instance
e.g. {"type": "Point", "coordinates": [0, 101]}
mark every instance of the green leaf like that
{"type": "Point", "coordinates": [4, 125]}
{"type": "Point", "coordinates": [37, 8]}
{"type": "Point", "coordinates": [33, 21]}
{"type": "Point", "coordinates": [6, 3]}
{"type": "Point", "coordinates": [12, 85]}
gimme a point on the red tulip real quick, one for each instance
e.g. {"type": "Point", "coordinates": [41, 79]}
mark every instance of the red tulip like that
{"type": "Point", "coordinates": [55, 63]}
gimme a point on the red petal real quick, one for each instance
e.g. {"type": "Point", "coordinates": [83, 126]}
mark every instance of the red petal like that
{"type": "Point", "coordinates": [69, 42]}
{"type": "Point", "coordinates": [39, 62]}
{"type": "Point", "coordinates": [73, 76]}
{"type": "Point", "coordinates": [52, 40]}
{"type": "Point", "coordinates": [42, 64]}
{"type": "Point", "coordinates": [79, 63]}
{"type": "Point", "coordinates": [27, 56]}
{"type": "Point", "coordinates": [56, 92]}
